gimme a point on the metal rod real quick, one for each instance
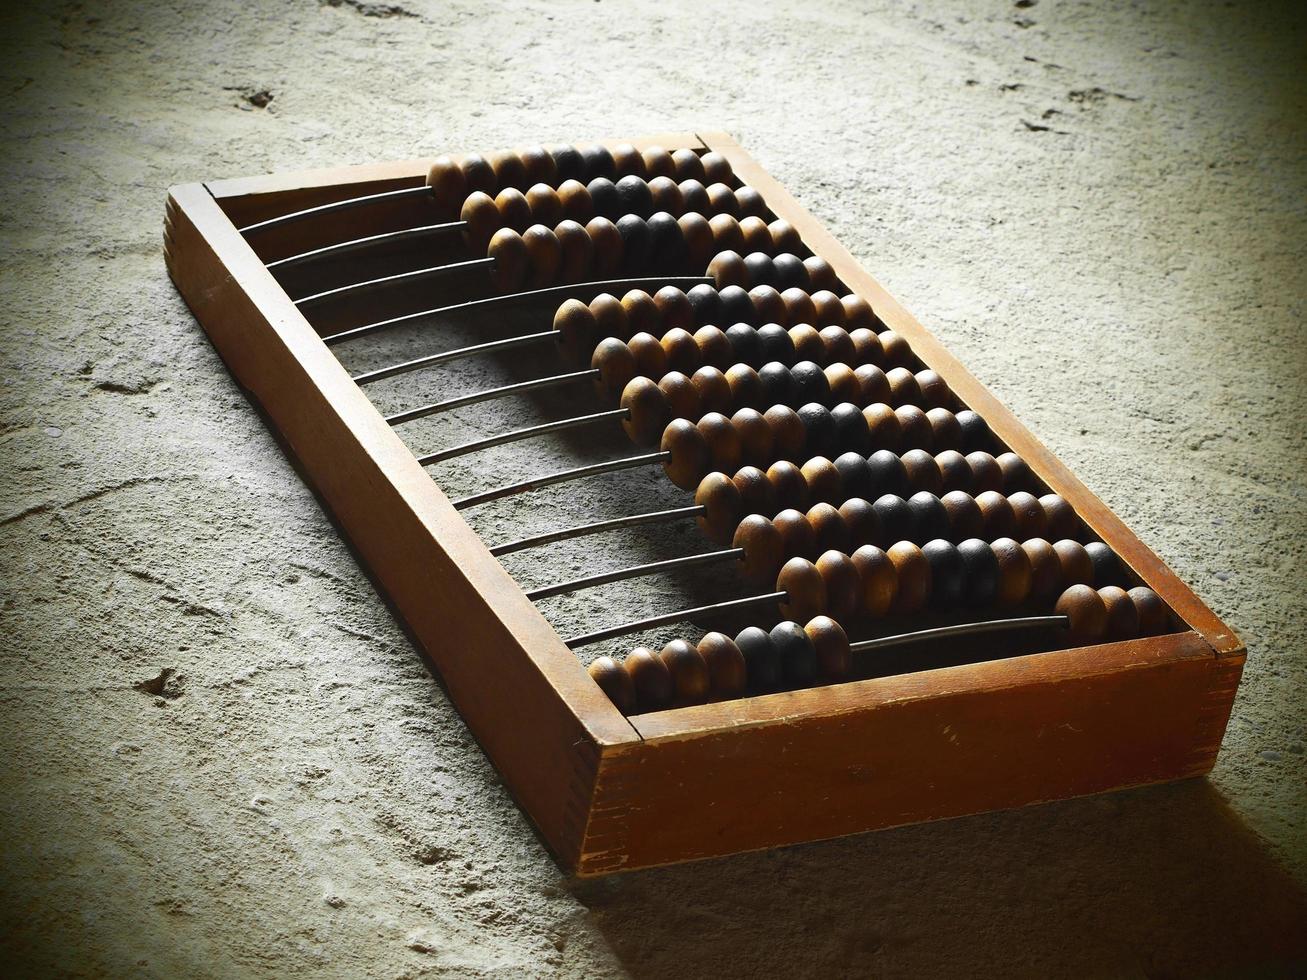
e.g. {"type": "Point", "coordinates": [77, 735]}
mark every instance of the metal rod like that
{"type": "Point", "coordinates": [634, 571]}
{"type": "Point", "coordinates": [353, 202]}
{"type": "Point", "coordinates": [491, 393]}
{"type": "Point", "coordinates": [519, 434]}
{"type": "Point", "coordinates": [641, 624]}
{"type": "Point", "coordinates": [434, 272]}
{"type": "Point", "coordinates": [563, 476]}
{"type": "Point", "coordinates": [581, 530]}
{"type": "Point", "coordinates": [551, 295]}
{"type": "Point", "coordinates": [962, 629]}
{"type": "Point", "coordinates": [452, 355]}
{"type": "Point", "coordinates": [356, 244]}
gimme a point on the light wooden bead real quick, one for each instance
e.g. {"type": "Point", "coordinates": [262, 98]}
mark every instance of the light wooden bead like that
{"type": "Point", "coordinates": [713, 391]}
{"type": "Point", "coordinates": [539, 165]}
{"type": "Point", "coordinates": [577, 252]}
{"type": "Point", "coordinates": [756, 440]}
{"type": "Point", "coordinates": [448, 186]}
{"type": "Point", "coordinates": [751, 202]}
{"type": "Point", "coordinates": [1077, 569]}
{"type": "Point", "coordinates": [715, 347]}
{"type": "Point", "coordinates": [897, 351]}
{"type": "Point", "coordinates": [545, 203]}
{"type": "Point", "coordinates": [616, 366]}
{"type": "Point", "coordinates": [867, 348]}
{"type": "Point", "coordinates": [755, 490]}
{"type": "Point", "coordinates": [805, 590]}
{"type": "Point", "coordinates": [757, 236]}
{"type": "Point", "coordinates": [686, 164]}
{"type": "Point", "coordinates": [483, 220]}
{"type": "Point", "coordinates": [716, 168]}
{"type": "Point", "coordinates": [1045, 569]}
{"type": "Point", "coordinates": [821, 274]}
{"type": "Point", "coordinates": [509, 170]}
{"type": "Point", "coordinates": [628, 160]}
{"type": "Point", "coordinates": [726, 233]}
{"type": "Point", "coordinates": [985, 472]}
{"type": "Point", "coordinates": [829, 309]}
{"type": "Point", "coordinates": [724, 447]}
{"type": "Point", "coordinates": [667, 196]}
{"type": "Point", "coordinates": [650, 678]}
{"type": "Point", "coordinates": [1000, 521]}
{"type": "Point", "coordinates": [884, 430]}
{"type": "Point", "coordinates": [912, 575]}
{"type": "Point", "coordinates": [788, 431]}
{"type": "Point", "coordinates": [874, 386]}
{"type": "Point", "coordinates": [746, 387]}
{"type": "Point", "coordinates": [726, 668]}
{"type": "Point", "coordinates": [514, 212]}
{"type": "Point", "coordinates": [727, 269]}
{"type": "Point", "coordinates": [478, 174]}
{"type": "Point", "coordinates": [642, 312]}
{"type": "Point", "coordinates": [1154, 617]}
{"type": "Point", "coordinates": [839, 347]}
{"type": "Point", "coordinates": [844, 386]}
{"type": "Point", "coordinates": [767, 303]}
{"type": "Point", "coordinates": [789, 489]}
{"type": "Point", "coordinates": [808, 345]}
{"type": "Point", "coordinates": [681, 350]}
{"type": "Point", "coordinates": [577, 329]}
{"type": "Point", "coordinates": [964, 517]}
{"type": "Point", "coordinates": [1029, 514]}
{"type": "Point", "coordinates": [917, 431]}
{"type": "Point", "coordinates": [1013, 572]}
{"type": "Point", "coordinates": [682, 396]}
{"type": "Point", "coordinates": [1087, 613]}
{"type": "Point", "coordinates": [903, 386]}
{"type": "Point", "coordinates": [934, 390]}
{"type": "Point", "coordinates": [512, 260]}
{"type": "Point", "coordinates": [546, 256]}
{"type": "Point", "coordinates": [945, 433]}
{"type": "Point", "coordinates": [700, 245]}
{"type": "Point", "coordinates": [879, 580]}
{"type": "Point", "coordinates": [822, 479]}
{"type": "Point", "coordinates": [797, 535]}
{"type": "Point", "coordinates": [690, 458]}
{"type": "Point", "coordinates": [575, 201]}
{"type": "Point", "coordinates": [1122, 616]}
{"type": "Point", "coordinates": [674, 308]}
{"type": "Point", "coordinates": [690, 679]}
{"type": "Point", "coordinates": [829, 531]}
{"type": "Point", "coordinates": [614, 681]}
{"type": "Point", "coordinates": [784, 236]}
{"type": "Point", "coordinates": [843, 584]}
{"type": "Point", "coordinates": [858, 314]}
{"type": "Point", "coordinates": [722, 507]}
{"type": "Point", "coordinates": [955, 470]}
{"type": "Point", "coordinates": [799, 307]}
{"type": "Point", "coordinates": [650, 358]}
{"type": "Point", "coordinates": [831, 643]}
{"type": "Point", "coordinates": [658, 162]}
{"type": "Point", "coordinates": [648, 411]}
{"type": "Point", "coordinates": [608, 250]}
{"type": "Point", "coordinates": [764, 547]}
{"type": "Point", "coordinates": [722, 200]}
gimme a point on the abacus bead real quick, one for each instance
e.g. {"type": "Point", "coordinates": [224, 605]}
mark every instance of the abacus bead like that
{"type": "Point", "coordinates": [728, 269]}
{"type": "Point", "coordinates": [642, 314]}
{"type": "Point", "coordinates": [879, 580]}
{"type": "Point", "coordinates": [650, 358]}
{"type": "Point", "coordinates": [855, 478]}
{"type": "Point", "coordinates": [827, 304]}
{"type": "Point", "coordinates": [764, 547]}
{"type": "Point", "coordinates": [838, 345]}
{"type": "Point", "coordinates": [767, 303]}
{"type": "Point", "coordinates": [934, 389]}
{"type": "Point", "coordinates": [681, 350]}
{"type": "Point", "coordinates": [1107, 568]}
{"type": "Point", "coordinates": [637, 243]}
{"type": "Point", "coordinates": [598, 161]}
{"type": "Point", "coordinates": [923, 472]}
{"type": "Point", "coordinates": [1000, 521]}
{"type": "Point", "coordinates": [831, 645]}
{"type": "Point", "coordinates": [858, 314]}
{"type": "Point", "coordinates": [804, 587]}
{"type": "Point", "coordinates": [1122, 616]}
{"type": "Point", "coordinates": [746, 343]}
{"type": "Point", "coordinates": [1029, 514]}
{"type": "Point", "coordinates": [546, 256]}
{"type": "Point", "coordinates": [699, 245]}
{"type": "Point", "coordinates": [513, 210]}
{"type": "Point", "coordinates": [577, 329]}
{"type": "Point", "coordinates": [682, 396]}
{"type": "Point", "coordinates": [665, 195]}
{"type": "Point", "coordinates": [946, 581]}
{"type": "Point", "coordinates": [884, 430]}
{"type": "Point", "coordinates": [821, 274]}
{"type": "Point", "coordinates": [828, 528]}
{"type": "Point", "coordinates": [915, 426]}
{"type": "Point", "coordinates": [1016, 474]}
{"type": "Point", "coordinates": [785, 237]}
{"type": "Point", "coordinates": [694, 196]}
{"type": "Point", "coordinates": [545, 204]}
{"type": "Point", "coordinates": [820, 427]}
{"type": "Point", "coordinates": [1085, 610]}
{"type": "Point", "coordinates": [650, 678]}
{"type": "Point", "coordinates": [862, 523]}
{"type": "Point", "coordinates": [716, 168]}
{"type": "Point", "coordinates": [686, 164]}
{"type": "Point", "coordinates": [634, 196]}
{"type": "Point", "coordinates": [724, 447]}
{"type": "Point", "coordinates": [1045, 569]}
{"type": "Point", "coordinates": [867, 348]}
{"type": "Point", "coordinates": [727, 673]}
{"type": "Point", "coordinates": [775, 343]}
{"type": "Point", "coordinates": [964, 517]}
{"type": "Point", "coordinates": [757, 240]}
{"type": "Point", "coordinates": [788, 433]}
{"type": "Point", "coordinates": [690, 458]}
{"type": "Point", "coordinates": [822, 479]}
{"type": "Point", "coordinates": [648, 411]}
{"type": "Point", "coordinates": [797, 536]}
{"type": "Point", "coordinates": [850, 426]}
{"type": "Point", "coordinates": [810, 383]}
{"type": "Point", "coordinates": [715, 347]}
{"type": "Point", "coordinates": [929, 518]}
{"type": "Point", "coordinates": [509, 170]}
{"type": "Point", "coordinates": [903, 387]}
{"type": "Point", "coordinates": [985, 472]}
{"type": "Point", "coordinates": [575, 201]}
{"type": "Point", "coordinates": [512, 260]}
{"type": "Point", "coordinates": [607, 246]}
{"type": "Point", "coordinates": [1059, 517]}
{"type": "Point", "coordinates": [722, 200]}
{"type": "Point", "coordinates": [737, 306]}
{"type": "Point", "coordinates": [627, 160]}
{"type": "Point", "coordinates": [713, 391]}
{"type": "Point", "coordinates": [1153, 615]}
{"type": "Point", "coordinates": [751, 202]}
{"type": "Point", "coordinates": [843, 585]}
{"type": "Point", "coordinates": [725, 228]}
{"type": "Point", "coordinates": [448, 185]}
{"type": "Point", "coordinates": [1013, 572]}
{"type": "Point", "coordinates": [690, 680]}
{"type": "Point", "coordinates": [614, 681]}
{"type": "Point", "coordinates": [756, 438]}
{"type": "Point", "coordinates": [478, 174]}
{"type": "Point", "coordinates": [896, 348]}
{"type": "Point", "coordinates": [603, 197]}
{"type": "Point", "coordinates": [776, 383]}
{"type": "Point", "coordinates": [762, 663]}
{"type": "Point", "coordinates": [980, 576]}
{"type": "Point", "coordinates": [1077, 569]}
{"type": "Point", "coordinates": [577, 251]}
{"type": "Point", "coordinates": [722, 509]}
{"type": "Point", "coordinates": [674, 309]}
{"type": "Point", "coordinates": [616, 366]}
{"type": "Point", "coordinates": [705, 301]}
{"type": "Point", "coordinates": [568, 162]}
{"type": "Point", "coordinates": [667, 253]}
{"type": "Point", "coordinates": [912, 574]}
{"type": "Point", "coordinates": [975, 431]}
{"type": "Point", "coordinates": [955, 470]}
{"type": "Point", "coordinates": [799, 307]}
{"type": "Point", "coordinates": [658, 162]}
{"type": "Point", "coordinates": [888, 474]}
{"type": "Point", "coordinates": [807, 342]}
{"type": "Point", "coordinates": [789, 489]}
{"type": "Point", "coordinates": [798, 656]}
{"type": "Point", "coordinates": [483, 220]}
{"type": "Point", "coordinates": [539, 165]}
{"type": "Point", "coordinates": [746, 387]}
{"type": "Point", "coordinates": [945, 433]}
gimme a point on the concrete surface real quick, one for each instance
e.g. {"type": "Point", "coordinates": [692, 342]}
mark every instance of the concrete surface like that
{"type": "Point", "coordinates": [222, 756]}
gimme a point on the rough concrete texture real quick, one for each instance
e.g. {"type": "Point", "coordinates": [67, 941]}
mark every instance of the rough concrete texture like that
{"type": "Point", "coordinates": [221, 754]}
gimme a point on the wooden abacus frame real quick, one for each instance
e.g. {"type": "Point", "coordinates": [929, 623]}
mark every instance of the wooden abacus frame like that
{"type": "Point", "coordinates": [611, 793]}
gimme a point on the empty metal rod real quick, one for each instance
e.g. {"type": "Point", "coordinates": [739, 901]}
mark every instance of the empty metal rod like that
{"type": "Point", "coordinates": [357, 244]}
{"type": "Point", "coordinates": [353, 202]}
{"type": "Point", "coordinates": [563, 476]}
{"type": "Point", "coordinates": [961, 629]}
{"type": "Point", "coordinates": [492, 393]}
{"type": "Point", "coordinates": [635, 571]}
{"type": "Point", "coordinates": [519, 434]}
{"type": "Point", "coordinates": [433, 272]}
{"type": "Point", "coordinates": [445, 357]}
{"type": "Point", "coordinates": [681, 615]}
{"type": "Point", "coordinates": [581, 530]}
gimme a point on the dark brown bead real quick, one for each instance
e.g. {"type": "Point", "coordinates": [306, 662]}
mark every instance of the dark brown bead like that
{"type": "Point", "coordinates": [1029, 514]}
{"type": "Point", "coordinates": [687, 165]}
{"type": "Point", "coordinates": [964, 517]}
{"type": "Point", "coordinates": [577, 329]}
{"type": "Point", "coordinates": [728, 269]}
{"type": "Point", "coordinates": [945, 432]}
{"type": "Point", "coordinates": [724, 445]}
{"type": "Point", "coordinates": [722, 200]}
{"type": "Point", "coordinates": [577, 252]}
{"type": "Point", "coordinates": [726, 669]}
{"type": "Point", "coordinates": [714, 393]}
{"type": "Point", "coordinates": [985, 472]}
{"type": "Point", "coordinates": [757, 236]}
{"type": "Point", "coordinates": [1122, 616]}
{"type": "Point", "coordinates": [649, 412]}
{"type": "Point", "coordinates": [690, 459]}
{"type": "Point", "coordinates": [642, 312]}
{"type": "Point", "coordinates": [799, 307]}
{"type": "Point", "coordinates": [510, 171]}
{"type": "Point", "coordinates": [726, 233]}
{"type": "Point", "coordinates": [715, 347]}
{"type": "Point", "coordinates": [448, 186]}
{"type": "Point", "coordinates": [829, 309]}
{"type": "Point", "coordinates": [614, 681]}
{"type": "Point", "coordinates": [912, 575]}
{"type": "Point", "coordinates": [513, 209]}
{"type": "Point", "coordinates": [788, 431]}
{"type": "Point", "coordinates": [546, 256]}
{"type": "Point", "coordinates": [768, 304]}
{"type": "Point", "coordinates": [690, 680]}
{"type": "Point", "coordinates": [751, 202]}
{"type": "Point", "coordinates": [903, 387]}
{"type": "Point", "coordinates": [820, 274]}
{"type": "Point", "coordinates": [681, 350]}
{"type": "Point", "coordinates": [955, 469]}
{"type": "Point", "coordinates": [1060, 519]}
{"type": "Point", "coordinates": [755, 490]}
{"type": "Point", "coordinates": [545, 204]}
{"type": "Point", "coordinates": [700, 246]}
{"type": "Point", "coordinates": [610, 317]}
{"type": "Point", "coordinates": [746, 387]}
{"type": "Point", "coordinates": [512, 260]}
{"type": "Point", "coordinates": [832, 645]}
{"type": "Point", "coordinates": [1016, 474]}
{"type": "Point", "coordinates": [839, 346]}
{"type": "Point", "coordinates": [650, 358]}
{"type": "Point", "coordinates": [722, 507]}
{"type": "Point", "coordinates": [539, 165]}
{"type": "Point", "coordinates": [862, 523]}
{"type": "Point", "coordinates": [616, 366]}
{"type": "Point", "coordinates": [682, 396]}
{"type": "Point", "coordinates": [867, 348]}
{"type": "Point", "coordinates": [797, 534]}
{"type": "Point", "coordinates": [575, 201]}
{"type": "Point", "coordinates": [808, 345]}
{"type": "Point", "coordinates": [674, 308]}
{"type": "Point", "coordinates": [1045, 569]}
{"type": "Point", "coordinates": [828, 527]}
{"type": "Point", "coordinates": [716, 168]}
{"type": "Point", "coordinates": [1000, 521]}
{"type": "Point", "coordinates": [935, 391]}
{"type": "Point", "coordinates": [805, 590]}
{"type": "Point", "coordinates": [478, 174]}
{"type": "Point", "coordinates": [1077, 569]}
{"type": "Point", "coordinates": [756, 438]}
{"type": "Point", "coordinates": [915, 424]}
{"type": "Point", "coordinates": [873, 385]}
{"type": "Point", "coordinates": [1085, 610]}
{"type": "Point", "coordinates": [764, 547]}
{"type": "Point", "coordinates": [650, 678]}
{"type": "Point", "coordinates": [843, 384]}
{"type": "Point", "coordinates": [923, 471]}
{"type": "Point", "coordinates": [483, 220]}
{"type": "Point", "coordinates": [1154, 618]}
{"type": "Point", "coordinates": [1013, 572]}
{"type": "Point", "coordinates": [858, 314]}
{"type": "Point", "coordinates": [843, 584]}
{"type": "Point", "coordinates": [785, 238]}
{"type": "Point", "coordinates": [667, 196]}
{"type": "Point", "coordinates": [628, 160]}
{"type": "Point", "coordinates": [823, 480]}
{"type": "Point", "coordinates": [897, 351]}
{"type": "Point", "coordinates": [883, 426]}
{"type": "Point", "coordinates": [607, 247]}
{"type": "Point", "coordinates": [789, 489]}
{"type": "Point", "coordinates": [879, 580]}
{"type": "Point", "coordinates": [658, 163]}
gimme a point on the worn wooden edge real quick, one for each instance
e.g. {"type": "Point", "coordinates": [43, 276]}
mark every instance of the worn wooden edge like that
{"type": "Point", "coordinates": [1138, 556]}
{"type": "Point", "coordinates": [539, 716]}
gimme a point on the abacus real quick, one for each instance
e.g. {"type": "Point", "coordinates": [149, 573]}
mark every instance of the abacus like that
{"type": "Point", "coordinates": [886, 602]}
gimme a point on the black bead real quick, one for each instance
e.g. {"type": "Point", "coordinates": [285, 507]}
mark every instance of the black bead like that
{"type": "Point", "coordinates": [851, 430]}
{"type": "Point", "coordinates": [1107, 569]}
{"type": "Point", "coordinates": [946, 579]}
{"type": "Point", "coordinates": [570, 163]}
{"type": "Point", "coordinates": [759, 266]}
{"type": "Point", "coordinates": [637, 243]}
{"type": "Point", "coordinates": [737, 306]}
{"type": "Point", "coordinates": [929, 518]}
{"type": "Point", "coordinates": [955, 469]}
{"type": "Point", "coordinates": [979, 572]}
{"type": "Point", "coordinates": [855, 477]}
{"type": "Point", "coordinates": [603, 193]}
{"type": "Point", "coordinates": [887, 473]}
{"type": "Point", "coordinates": [975, 431]}
{"type": "Point", "coordinates": [790, 271]}
{"type": "Point", "coordinates": [598, 162]}
{"type": "Point", "coordinates": [776, 343]}
{"type": "Point", "coordinates": [667, 244]}
{"type": "Point", "coordinates": [695, 196]}
{"type": "Point", "coordinates": [798, 656]}
{"type": "Point", "coordinates": [895, 517]}
{"type": "Point", "coordinates": [820, 427]}
{"type": "Point", "coordinates": [706, 303]}
{"type": "Point", "coordinates": [777, 385]}
{"type": "Point", "coordinates": [762, 663]}
{"type": "Point", "coordinates": [810, 384]}
{"type": "Point", "coordinates": [634, 195]}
